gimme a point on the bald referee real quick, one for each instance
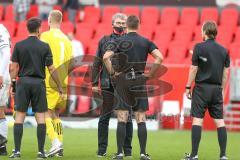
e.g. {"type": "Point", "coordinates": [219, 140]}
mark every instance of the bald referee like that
{"type": "Point", "coordinates": [29, 59]}
{"type": "Point", "coordinates": [210, 63]}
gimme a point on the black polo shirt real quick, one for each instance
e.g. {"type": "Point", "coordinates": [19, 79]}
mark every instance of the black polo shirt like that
{"type": "Point", "coordinates": [136, 49]}
{"type": "Point", "coordinates": [33, 56]}
{"type": "Point", "coordinates": [211, 58]}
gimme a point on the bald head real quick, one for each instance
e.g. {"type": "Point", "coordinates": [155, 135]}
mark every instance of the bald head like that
{"type": "Point", "coordinates": [55, 18]}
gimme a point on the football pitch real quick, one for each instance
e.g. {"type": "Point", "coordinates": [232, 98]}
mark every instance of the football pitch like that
{"type": "Point", "coordinates": [80, 144]}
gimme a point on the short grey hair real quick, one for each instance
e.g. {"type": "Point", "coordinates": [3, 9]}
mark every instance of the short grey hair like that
{"type": "Point", "coordinates": [119, 15]}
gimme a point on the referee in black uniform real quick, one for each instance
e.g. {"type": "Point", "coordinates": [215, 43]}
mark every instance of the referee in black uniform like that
{"type": "Point", "coordinates": [106, 110]}
{"type": "Point", "coordinates": [127, 64]}
{"type": "Point", "coordinates": [29, 59]}
{"type": "Point", "coordinates": [209, 70]}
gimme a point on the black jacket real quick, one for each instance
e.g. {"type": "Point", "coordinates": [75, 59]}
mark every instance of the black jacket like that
{"type": "Point", "coordinates": [98, 68]}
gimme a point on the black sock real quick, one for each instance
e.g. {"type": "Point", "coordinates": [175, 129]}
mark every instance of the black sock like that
{"type": "Point", "coordinates": [121, 134]}
{"type": "Point", "coordinates": [128, 140]}
{"type": "Point", "coordinates": [196, 137]}
{"type": "Point", "coordinates": [41, 135]}
{"type": "Point", "coordinates": [18, 132]}
{"type": "Point", "coordinates": [142, 136]}
{"type": "Point", "coordinates": [222, 140]}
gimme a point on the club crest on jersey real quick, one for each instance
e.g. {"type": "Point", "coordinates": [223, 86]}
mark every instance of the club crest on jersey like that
{"type": "Point", "coordinates": [204, 59]}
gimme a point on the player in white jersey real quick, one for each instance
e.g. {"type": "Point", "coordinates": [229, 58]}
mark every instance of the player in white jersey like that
{"type": "Point", "coordinates": [4, 85]}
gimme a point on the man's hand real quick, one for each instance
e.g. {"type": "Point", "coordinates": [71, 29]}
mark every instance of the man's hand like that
{"type": "Point", "coordinates": [189, 93]}
{"type": "Point", "coordinates": [95, 89]}
{"type": "Point", "coordinates": [148, 76]}
{"type": "Point", "coordinates": [1, 82]}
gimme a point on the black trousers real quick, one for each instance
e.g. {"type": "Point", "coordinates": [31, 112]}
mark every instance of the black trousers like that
{"type": "Point", "coordinates": [106, 112]}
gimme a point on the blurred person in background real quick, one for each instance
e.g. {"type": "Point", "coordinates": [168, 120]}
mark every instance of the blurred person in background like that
{"type": "Point", "coordinates": [45, 6]}
{"type": "Point", "coordinates": [4, 85]}
{"type": "Point", "coordinates": [72, 7]}
{"type": "Point", "coordinates": [21, 8]}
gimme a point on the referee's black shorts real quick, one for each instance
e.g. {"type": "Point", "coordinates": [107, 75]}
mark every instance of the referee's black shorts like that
{"type": "Point", "coordinates": [130, 93]}
{"type": "Point", "coordinates": [207, 96]}
{"type": "Point", "coordinates": [31, 91]}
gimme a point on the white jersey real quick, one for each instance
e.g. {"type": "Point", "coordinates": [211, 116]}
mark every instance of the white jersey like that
{"type": "Point", "coordinates": [4, 54]}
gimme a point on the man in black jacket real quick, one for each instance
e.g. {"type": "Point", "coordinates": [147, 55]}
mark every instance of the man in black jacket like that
{"type": "Point", "coordinates": [119, 25]}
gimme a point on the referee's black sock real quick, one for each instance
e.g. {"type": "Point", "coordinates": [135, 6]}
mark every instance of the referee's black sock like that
{"type": "Point", "coordinates": [222, 140]}
{"type": "Point", "coordinates": [121, 134]}
{"type": "Point", "coordinates": [196, 137]}
{"type": "Point", "coordinates": [18, 132]}
{"type": "Point", "coordinates": [142, 136]}
{"type": "Point", "coordinates": [41, 135]}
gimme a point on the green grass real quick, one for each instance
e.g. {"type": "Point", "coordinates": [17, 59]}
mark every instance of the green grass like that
{"type": "Point", "coordinates": [162, 145]}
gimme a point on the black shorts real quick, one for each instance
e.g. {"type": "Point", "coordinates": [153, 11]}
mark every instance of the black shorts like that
{"type": "Point", "coordinates": [130, 93]}
{"type": "Point", "coordinates": [31, 92]}
{"type": "Point", "coordinates": [207, 96]}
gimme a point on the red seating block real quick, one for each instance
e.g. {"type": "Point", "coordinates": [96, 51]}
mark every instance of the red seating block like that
{"type": "Point", "coordinates": [150, 16]}
{"type": "Point", "coordinates": [67, 27]}
{"type": "Point", "coordinates": [189, 16]}
{"type": "Point", "coordinates": [9, 14]}
{"type": "Point", "coordinates": [1, 12]}
{"type": "Point", "coordinates": [183, 33]}
{"type": "Point", "coordinates": [22, 30]}
{"type": "Point", "coordinates": [229, 17]}
{"type": "Point", "coordinates": [177, 51]}
{"type": "Point", "coordinates": [237, 35]}
{"type": "Point", "coordinates": [92, 14]}
{"type": "Point", "coordinates": [108, 12]}
{"type": "Point", "coordinates": [33, 12]}
{"type": "Point", "coordinates": [131, 10]}
{"type": "Point", "coordinates": [210, 13]}
{"type": "Point", "coordinates": [170, 16]}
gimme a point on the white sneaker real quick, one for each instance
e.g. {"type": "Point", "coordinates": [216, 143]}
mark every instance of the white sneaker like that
{"type": "Point", "coordinates": [56, 147]}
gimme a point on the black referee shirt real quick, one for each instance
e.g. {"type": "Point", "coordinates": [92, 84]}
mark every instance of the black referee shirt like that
{"type": "Point", "coordinates": [33, 56]}
{"type": "Point", "coordinates": [211, 58]}
{"type": "Point", "coordinates": [136, 49]}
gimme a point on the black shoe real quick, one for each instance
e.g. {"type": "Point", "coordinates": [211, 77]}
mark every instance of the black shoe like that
{"type": "Point", "coordinates": [41, 155]}
{"type": "Point", "coordinates": [224, 158]}
{"type": "Point", "coordinates": [3, 140]}
{"type": "Point", "coordinates": [15, 155]}
{"type": "Point", "coordinates": [101, 154]}
{"type": "Point", "coordinates": [188, 157]}
{"type": "Point", "coordinates": [60, 153]}
{"type": "Point", "coordinates": [3, 150]}
{"type": "Point", "coordinates": [118, 156]}
{"type": "Point", "coordinates": [145, 157]}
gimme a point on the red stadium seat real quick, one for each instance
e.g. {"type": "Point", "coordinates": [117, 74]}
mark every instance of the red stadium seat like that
{"type": "Point", "coordinates": [84, 103]}
{"type": "Point", "coordinates": [162, 46]}
{"type": "Point", "coordinates": [152, 12]}
{"type": "Point", "coordinates": [134, 10]}
{"type": "Point", "coordinates": [108, 12]}
{"type": "Point", "coordinates": [163, 31]}
{"type": "Point", "coordinates": [170, 16]}
{"type": "Point", "coordinates": [183, 33]}
{"type": "Point", "coordinates": [57, 7]}
{"type": "Point", "coordinates": [237, 35]}
{"type": "Point", "coordinates": [33, 12]}
{"type": "Point", "coordinates": [91, 14]}
{"type": "Point", "coordinates": [11, 27]}
{"type": "Point", "coordinates": [92, 48]}
{"type": "Point", "coordinates": [154, 103]}
{"type": "Point", "coordinates": [189, 16]}
{"type": "Point", "coordinates": [22, 30]}
{"type": "Point", "coordinates": [177, 52]}
{"type": "Point", "coordinates": [84, 34]}
{"type": "Point", "coordinates": [44, 26]}
{"type": "Point", "coordinates": [103, 29]}
{"type": "Point", "coordinates": [229, 17]}
{"type": "Point", "coordinates": [234, 51]}
{"type": "Point", "coordinates": [9, 14]}
{"type": "Point", "coordinates": [198, 33]}
{"type": "Point", "coordinates": [146, 32]}
{"type": "Point", "coordinates": [209, 14]}
{"type": "Point", "coordinates": [1, 12]}
{"type": "Point", "coordinates": [67, 27]}
{"type": "Point", "coordinates": [225, 33]}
